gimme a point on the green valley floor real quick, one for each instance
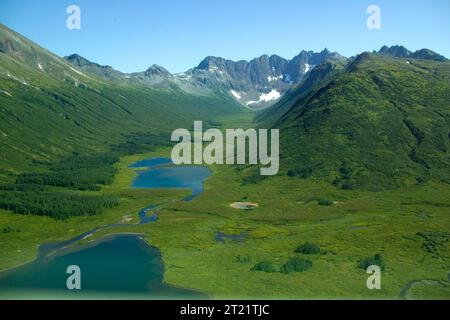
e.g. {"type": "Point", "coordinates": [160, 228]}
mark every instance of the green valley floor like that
{"type": "Point", "coordinates": [209, 246]}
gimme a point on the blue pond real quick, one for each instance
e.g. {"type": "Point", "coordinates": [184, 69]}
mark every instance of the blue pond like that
{"type": "Point", "coordinates": [221, 237]}
{"type": "Point", "coordinates": [162, 174]}
{"type": "Point", "coordinates": [124, 265]}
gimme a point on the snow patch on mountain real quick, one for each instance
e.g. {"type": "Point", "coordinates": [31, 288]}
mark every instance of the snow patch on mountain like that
{"type": "Point", "coordinates": [17, 79]}
{"type": "Point", "coordinates": [266, 97]}
{"type": "Point", "coordinates": [274, 78]}
{"type": "Point", "coordinates": [183, 76]}
{"type": "Point", "coordinates": [272, 95]}
{"type": "Point", "coordinates": [6, 93]}
{"type": "Point", "coordinates": [81, 73]}
{"type": "Point", "coordinates": [235, 94]}
{"type": "Point", "coordinates": [308, 67]}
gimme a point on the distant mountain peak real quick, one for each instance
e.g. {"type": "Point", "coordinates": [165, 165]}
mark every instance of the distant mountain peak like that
{"type": "Point", "coordinates": [157, 70]}
{"type": "Point", "coordinates": [357, 60]}
{"type": "Point", "coordinates": [395, 51]}
{"type": "Point", "coordinates": [104, 71]}
{"type": "Point", "coordinates": [275, 56]}
{"type": "Point", "coordinates": [427, 54]}
{"type": "Point", "coordinates": [252, 82]}
{"type": "Point", "coordinates": [80, 61]}
{"type": "Point", "coordinates": [398, 51]}
{"type": "Point", "coordinates": [74, 56]}
{"type": "Point", "coordinates": [211, 62]}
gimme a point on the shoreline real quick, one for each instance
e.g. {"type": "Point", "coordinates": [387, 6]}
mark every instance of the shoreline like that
{"type": "Point", "coordinates": [60, 248]}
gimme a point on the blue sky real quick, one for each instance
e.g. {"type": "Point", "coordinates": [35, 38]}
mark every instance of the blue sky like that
{"type": "Point", "coordinates": [177, 34]}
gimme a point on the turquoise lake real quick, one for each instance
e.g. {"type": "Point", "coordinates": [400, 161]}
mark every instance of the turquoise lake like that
{"type": "Point", "coordinates": [116, 266]}
{"type": "Point", "coordinates": [162, 174]}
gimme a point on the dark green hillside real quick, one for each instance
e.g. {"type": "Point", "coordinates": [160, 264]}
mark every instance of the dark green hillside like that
{"type": "Point", "coordinates": [317, 77]}
{"type": "Point", "coordinates": [105, 72]}
{"type": "Point", "coordinates": [381, 123]}
{"type": "Point", "coordinates": [402, 52]}
{"type": "Point", "coordinates": [48, 108]}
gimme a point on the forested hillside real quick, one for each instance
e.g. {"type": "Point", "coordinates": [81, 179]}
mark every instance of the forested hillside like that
{"type": "Point", "coordinates": [380, 122]}
{"type": "Point", "coordinates": [49, 109]}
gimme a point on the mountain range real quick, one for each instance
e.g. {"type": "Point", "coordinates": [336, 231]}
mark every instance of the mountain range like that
{"type": "Point", "coordinates": [375, 121]}
{"type": "Point", "coordinates": [378, 122]}
{"type": "Point", "coordinates": [256, 83]}
{"type": "Point", "coordinates": [401, 52]}
{"type": "Point", "coordinates": [50, 107]}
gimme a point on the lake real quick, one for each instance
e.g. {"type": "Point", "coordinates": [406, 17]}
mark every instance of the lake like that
{"type": "Point", "coordinates": [115, 266]}
{"type": "Point", "coordinates": [161, 173]}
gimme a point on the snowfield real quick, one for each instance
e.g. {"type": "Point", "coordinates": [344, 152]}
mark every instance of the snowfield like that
{"type": "Point", "coordinates": [266, 97]}
{"type": "Point", "coordinates": [235, 94]}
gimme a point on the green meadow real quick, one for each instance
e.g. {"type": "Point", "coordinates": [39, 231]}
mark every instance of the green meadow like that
{"type": "Point", "coordinates": [357, 225]}
{"type": "Point", "coordinates": [406, 226]}
{"type": "Point", "coordinates": [20, 244]}
{"type": "Point", "coordinates": [363, 179]}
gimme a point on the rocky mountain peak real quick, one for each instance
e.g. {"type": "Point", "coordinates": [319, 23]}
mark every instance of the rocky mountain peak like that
{"type": "Point", "coordinates": [401, 52]}
{"type": "Point", "coordinates": [157, 70]}
{"type": "Point", "coordinates": [395, 51]}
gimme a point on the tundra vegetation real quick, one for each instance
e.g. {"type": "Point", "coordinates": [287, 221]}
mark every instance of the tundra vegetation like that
{"type": "Point", "coordinates": [363, 176]}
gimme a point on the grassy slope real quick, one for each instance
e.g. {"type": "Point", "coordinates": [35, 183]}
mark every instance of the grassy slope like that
{"type": "Point", "coordinates": [21, 247]}
{"type": "Point", "coordinates": [40, 125]}
{"type": "Point", "coordinates": [382, 118]}
{"type": "Point", "coordinates": [48, 108]}
{"type": "Point", "coordinates": [360, 224]}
